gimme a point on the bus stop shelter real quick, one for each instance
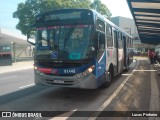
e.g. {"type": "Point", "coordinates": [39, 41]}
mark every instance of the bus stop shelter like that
{"type": "Point", "coordinates": [146, 14]}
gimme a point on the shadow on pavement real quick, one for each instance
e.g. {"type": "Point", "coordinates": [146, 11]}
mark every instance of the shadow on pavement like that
{"type": "Point", "coordinates": [21, 93]}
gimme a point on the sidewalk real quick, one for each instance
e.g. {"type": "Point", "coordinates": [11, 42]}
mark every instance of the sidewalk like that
{"type": "Point", "coordinates": [17, 66]}
{"type": "Point", "coordinates": [140, 93]}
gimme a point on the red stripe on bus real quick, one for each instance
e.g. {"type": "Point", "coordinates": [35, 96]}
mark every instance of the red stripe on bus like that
{"type": "Point", "coordinates": [45, 70]}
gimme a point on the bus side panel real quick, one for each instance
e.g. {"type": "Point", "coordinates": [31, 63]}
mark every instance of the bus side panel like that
{"type": "Point", "coordinates": [115, 53]}
{"type": "Point", "coordinates": [125, 51]}
{"type": "Point", "coordinates": [112, 60]}
{"type": "Point", "coordinates": [130, 51]}
{"type": "Point", "coordinates": [121, 59]}
{"type": "Point", "coordinates": [101, 69]}
{"type": "Point", "coordinates": [120, 53]}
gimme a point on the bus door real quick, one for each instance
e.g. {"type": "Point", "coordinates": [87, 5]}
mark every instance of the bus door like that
{"type": "Point", "coordinates": [101, 58]}
{"type": "Point", "coordinates": [116, 50]}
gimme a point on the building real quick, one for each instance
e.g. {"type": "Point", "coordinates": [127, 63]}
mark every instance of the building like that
{"type": "Point", "coordinates": [20, 48]}
{"type": "Point", "coordinates": [129, 26]}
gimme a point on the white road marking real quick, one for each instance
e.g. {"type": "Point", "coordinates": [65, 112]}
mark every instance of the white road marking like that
{"type": "Point", "coordinates": [27, 86]}
{"type": "Point", "coordinates": [154, 102]}
{"type": "Point", "coordinates": [59, 118]}
{"type": "Point", "coordinates": [130, 85]}
{"type": "Point", "coordinates": [7, 77]}
{"type": "Point", "coordinates": [146, 70]}
{"type": "Point", "coordinates": [62, 117]}
{"type": "Point", "coordinates": [126, 74]}
{"type": "Point", "coordinates": [107, 102]}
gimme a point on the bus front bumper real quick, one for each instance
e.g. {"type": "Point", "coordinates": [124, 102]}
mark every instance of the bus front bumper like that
{"type": "Point", "coordinates": [85, 82]}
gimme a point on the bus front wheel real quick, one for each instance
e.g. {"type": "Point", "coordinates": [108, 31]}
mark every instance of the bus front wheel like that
{"type": "Point", "coordinates": [108, 79]}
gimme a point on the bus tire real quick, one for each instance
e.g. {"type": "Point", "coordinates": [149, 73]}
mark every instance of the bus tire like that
{"type": "Point", "coordinates": [108, 78]}
{"type": "Point", "coordinates": [127, 66]}
{"type": "Point", "coordinates": [126, 69]}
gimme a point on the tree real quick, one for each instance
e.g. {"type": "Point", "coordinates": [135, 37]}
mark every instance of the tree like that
{"type": "Point", "coordinates": [27, 11]}
{"type": "Point", "coordinates": [101, 8]}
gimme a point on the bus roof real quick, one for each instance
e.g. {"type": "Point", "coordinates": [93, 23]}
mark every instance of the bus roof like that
{"type": "Point", "coordinates": [95, 13]}
{"type": "Point", "coordinates": [112, 24]}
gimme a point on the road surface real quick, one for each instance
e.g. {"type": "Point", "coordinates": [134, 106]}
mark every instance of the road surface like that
{"type": "Point", "coordinates": [135, 90]}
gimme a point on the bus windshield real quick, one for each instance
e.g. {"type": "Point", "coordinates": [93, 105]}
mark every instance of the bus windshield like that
{"type": "Point", "coordinates": [69, 42]}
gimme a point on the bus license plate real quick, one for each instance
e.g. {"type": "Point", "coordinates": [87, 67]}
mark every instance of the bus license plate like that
{"type": "Point", "coordinates": [58, 81]}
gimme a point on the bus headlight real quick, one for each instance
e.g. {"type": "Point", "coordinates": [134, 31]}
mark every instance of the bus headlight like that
{"type": "Point", "coordinates": [35, 68]}
{"type": "Point", "coordinates": [88, 71]}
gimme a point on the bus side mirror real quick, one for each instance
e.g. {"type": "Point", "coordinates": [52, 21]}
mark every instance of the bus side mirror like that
{"type": "Point", "coordinates": [31, 36]}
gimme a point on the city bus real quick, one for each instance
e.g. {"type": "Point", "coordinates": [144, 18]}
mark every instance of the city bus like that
{"type": "Point", "coordinates": [78, 48]}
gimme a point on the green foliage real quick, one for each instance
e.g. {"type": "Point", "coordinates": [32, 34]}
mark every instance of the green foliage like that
{"type": "Point", "coordinates": [101, 8]}
{"type": "Point", "coordinates": [27, 11]}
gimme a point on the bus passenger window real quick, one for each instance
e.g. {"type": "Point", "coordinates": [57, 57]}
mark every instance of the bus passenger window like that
{"type": "Point", "coordinates": [120, 40]}
{"type": "Point", "coordinates": [131, 43]}
{"type": "Point", "coordinates": [108, 30]}
{"type": "Point", "coordinates": [127, 42]}
{"type": "Point", "coordinates": [109, 36]}
{"type": "Point", "coordinates": [102, 41]}
{"type": "Point", "coordinates": [100, 26]}
{"type": "Point", "coordinates": [115, 39]}
{"type": "Point", "coordinates": [109, 41]}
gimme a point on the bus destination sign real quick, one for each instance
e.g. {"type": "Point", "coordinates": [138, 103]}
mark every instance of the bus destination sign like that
{"type": "Point", "coordinates": [71, 15]}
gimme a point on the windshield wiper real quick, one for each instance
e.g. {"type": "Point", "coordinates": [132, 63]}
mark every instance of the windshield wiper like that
{"type": "Point", "coordinates": [68, 34]}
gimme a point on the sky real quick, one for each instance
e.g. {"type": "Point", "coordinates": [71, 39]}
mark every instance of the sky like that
{"type": "Point", "coordinates": [116, 7]}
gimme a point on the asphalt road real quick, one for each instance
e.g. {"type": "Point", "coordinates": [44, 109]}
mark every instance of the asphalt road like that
{"type": "Point", "coordinates": [130, 91]}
